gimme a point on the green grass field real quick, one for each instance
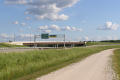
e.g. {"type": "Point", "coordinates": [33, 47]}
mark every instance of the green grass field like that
{"type": "Point", "coordinates": [116, 62]}
{"type": "Point", "coordinates": [9, 45]}
{"type": "Point", "coordinates": [101, 43]}
{"type": "Point", "coordinates": [31, 64]}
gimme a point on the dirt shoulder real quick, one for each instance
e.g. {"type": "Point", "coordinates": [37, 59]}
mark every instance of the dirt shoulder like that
{"type": "Point", "coordinates": [95, 67]}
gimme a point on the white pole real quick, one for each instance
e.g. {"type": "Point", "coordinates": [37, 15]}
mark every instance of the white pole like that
{"type": "Point", "coordinates": [64, 41]}
{"type": "Point", "coordinates": [14, 37]}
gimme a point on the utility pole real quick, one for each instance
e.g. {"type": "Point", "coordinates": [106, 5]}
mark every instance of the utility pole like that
{"type": "Point", "coordinates": [34, 40]}
{"type": "Point", "coordinates": [14, 37]}
{"type": "Point", "coordinates": [30, 29]}
{"type": "Point", "coordinates": [30, 36]}
{"type": "Point", "coordinates": [64, 41]}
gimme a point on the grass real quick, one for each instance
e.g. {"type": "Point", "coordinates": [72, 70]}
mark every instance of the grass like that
{"type": "Point", "coordinates": [9, 45]}
{"type": "Point", "coordinates": [31, 64]}
{"type": "Point", "coordinates": [116, 62]}
{"type": "Point", "coordinates": [100, 43]}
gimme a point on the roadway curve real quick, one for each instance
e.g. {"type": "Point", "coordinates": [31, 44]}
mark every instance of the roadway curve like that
{"type": "Point", "coordinates": [95, 67]}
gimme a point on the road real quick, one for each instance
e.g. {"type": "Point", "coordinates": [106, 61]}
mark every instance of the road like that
{"type": "Point", "coordinates": [22, 49]}
{"type": "Point", "coordinates": [95, 67]}
{"type": "Point", "coordinates": [7, 50]}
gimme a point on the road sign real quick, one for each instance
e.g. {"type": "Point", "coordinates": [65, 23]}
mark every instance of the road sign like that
{"type": "Point", "coordinates": [45, 36]}
{"type": "Point", "coordinates": [52, 36]}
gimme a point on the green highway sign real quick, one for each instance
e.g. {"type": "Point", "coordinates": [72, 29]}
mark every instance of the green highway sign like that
{"type": "Point", "coordinates": [45, 36]}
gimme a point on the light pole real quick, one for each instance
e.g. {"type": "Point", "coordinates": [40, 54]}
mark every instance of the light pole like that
{"type": "Point", "coordinates": [64, 41]}
{"type": "Point", "coordinates": [14, 37]}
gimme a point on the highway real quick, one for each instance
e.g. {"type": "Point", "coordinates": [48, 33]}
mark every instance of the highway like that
{"type": "Point", "coordinates": [22, 49]}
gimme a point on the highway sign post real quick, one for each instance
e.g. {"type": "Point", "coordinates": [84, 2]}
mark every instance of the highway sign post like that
{"type": "Point", "coordinates": [48, 36]}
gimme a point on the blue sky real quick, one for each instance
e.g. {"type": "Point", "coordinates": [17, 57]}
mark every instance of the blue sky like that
{"type": "Point", "coordinates": [96, 19]}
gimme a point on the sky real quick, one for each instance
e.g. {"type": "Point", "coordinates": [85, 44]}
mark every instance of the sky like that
{"type": "Point", "coordinates": [78, 19]}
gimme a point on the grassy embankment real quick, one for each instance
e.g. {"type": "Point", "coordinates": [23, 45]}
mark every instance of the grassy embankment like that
{"type": "Point", "coordinates": [101, 43]}
{"type": "Point", "coordinates": [9, 45]}
{"type": "Point", "coordinates": [116, 62]}
{"type": "Point", "coordinates": [31, 64]}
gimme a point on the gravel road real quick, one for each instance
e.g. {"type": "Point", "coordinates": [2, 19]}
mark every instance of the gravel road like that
{"type": "Point", "coordinates": [95, 67]}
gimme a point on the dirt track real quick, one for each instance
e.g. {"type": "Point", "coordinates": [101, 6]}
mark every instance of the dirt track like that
{"type": "Point", "coordinates": [95, 67]}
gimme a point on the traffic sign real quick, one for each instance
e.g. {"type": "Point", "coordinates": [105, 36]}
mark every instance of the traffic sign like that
{"type": "Point", "coordinates": [52, 36]}
{"type": "Point", "coordinates": [45, 36]}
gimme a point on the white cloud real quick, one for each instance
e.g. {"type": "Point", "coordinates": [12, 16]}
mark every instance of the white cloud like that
{"type": "Point", "coordinates": [4, 35]}
{"type": "Point", "coordinates": [16, 22]}
{"type": "Point", "coordinates": [19, 23]}
{"type": "Point", "coordinates": [23, 24]}
{"type": "Point", "coordinates": [47, 31]}
{"type": "Point", "coordinates": [28, 18]}
{"type": "Point", "coordinates": [68, 28]}
{"type": "Point", "coordinates": [73, 28]}
{"type": "Point", "coordinates": [16, 1]}
{"type": "Point", "coordinates": [26, 35]}
{"type": "Point", "coordinates": [86, 38]}
{"type": "Point", "coordinates": [43, 27]}
{"type": "Point", "coordinates": [58, 28]}
{"type": "Point", "coordinates": [109, 26]}
{"type": "Point", "coordinates": [109, 38]}
{"type": "Point", "coordinates": [115, 38]}
{"type": "Point", "coordinates": [19, 37]}
{"type": "Point", "coordinates": [45, 9]}
{"type": "Point", "coordinates": [80, 30]}
{"type": "Point", "coordinates": [55, 27]}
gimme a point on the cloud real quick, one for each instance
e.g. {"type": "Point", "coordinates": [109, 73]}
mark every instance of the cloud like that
{"type": "Point", "coordinates": [43, 27]}
{"type": "Point", "coordinates": [16, 22]}
{"type": "Point", "coordinates": [47, 31]}
{"type": "Point", "coordinates": [101, 38]}
{"type": "Point", "coordinates": [45, 9]}
{"type": "Point", "coordinates": [80, 30]}
{"type": "Point", "coordinates": [4, 35]}
{"type": "Point", "coordinates": [50, 28]}
{"type": "Point", "coordinates": [21, 37]}
{"type": "Point", "coordinates": [109, 26]}
{"type": "Point", "coordinates": [58, 28]}
{"type": "Point", "coordinates": [110, 38]}
{"type": "Point", "coordinates": [86, 38]}
{"type": "Point", "coordinates": [55, 27]}
{"type": "Point", "coordinates": [19, 23]}
{"type": "Point", "coordinates": [28, 18]}
{"type": "Point", "coordinates": [23, 24]}
{"type": "Point", "coordinates": [69, 28]}
{"type": "Point", "coordinates": [115, 38]}
{"type": "Point", "coordinates": [74, 28]}
{"type": "Point", "coordinates": [26, 35]}
{"type": "Point", "coordinates": [16, 1]}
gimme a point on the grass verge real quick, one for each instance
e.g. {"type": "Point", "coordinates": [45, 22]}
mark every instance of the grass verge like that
{"type": "Point", "coordinates": [116, 62]}
{"type": "Point", "coordinates": [101, 43]}
{"type": "Point", "coordinates": [31, 64]}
